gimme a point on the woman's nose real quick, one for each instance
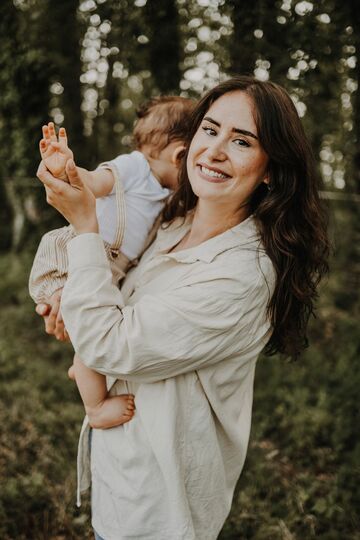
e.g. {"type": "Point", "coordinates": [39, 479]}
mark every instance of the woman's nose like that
{"type": "Point", "coordinates": [216, 150]}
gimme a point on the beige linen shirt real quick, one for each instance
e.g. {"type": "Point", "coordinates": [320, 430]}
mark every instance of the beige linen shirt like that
{"type": "Point", "coordinates": [185, 333]}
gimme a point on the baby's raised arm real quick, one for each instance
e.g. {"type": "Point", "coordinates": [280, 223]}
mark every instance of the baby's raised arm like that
{"type": "Point", "coordinates": [55, 153]}
{"type": "Point", "coordinates": [100, 182]}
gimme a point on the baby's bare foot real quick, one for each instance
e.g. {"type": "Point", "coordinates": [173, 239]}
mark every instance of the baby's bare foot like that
{"type": "Point", "coordinates": [126, 403]}
{"type": "Point", "coordinates": [113, 411]}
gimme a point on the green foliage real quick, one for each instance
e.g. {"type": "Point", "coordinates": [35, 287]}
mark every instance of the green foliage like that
{"type": "Point", "coordinates": [40, 415]}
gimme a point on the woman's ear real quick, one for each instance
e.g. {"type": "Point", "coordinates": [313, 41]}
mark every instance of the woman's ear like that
{"type": "Point", "coordinates": [266, 179]}
{"type": "Point", "coordinates": [177, 155]}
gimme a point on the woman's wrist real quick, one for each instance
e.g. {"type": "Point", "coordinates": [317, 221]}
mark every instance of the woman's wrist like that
{"type": "Point", "coordinates": [90, 226]}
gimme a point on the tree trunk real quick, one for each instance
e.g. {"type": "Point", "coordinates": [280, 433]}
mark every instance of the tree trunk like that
{"type": "Point", "coordinates": [162, 19]}
{"type": "Point", "coordinates": [65, 34]}
{"type": "Point", "coordinates": [355, 23]}
{"type": "Point", "coordinates": [243, 43]}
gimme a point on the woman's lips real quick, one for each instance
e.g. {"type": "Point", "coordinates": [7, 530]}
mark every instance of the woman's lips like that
{"type": "Point", "coordinates": [212, 175]}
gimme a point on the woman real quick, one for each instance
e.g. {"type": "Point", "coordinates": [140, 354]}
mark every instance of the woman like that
{"type": "Point", "coordinates": [234, 269]}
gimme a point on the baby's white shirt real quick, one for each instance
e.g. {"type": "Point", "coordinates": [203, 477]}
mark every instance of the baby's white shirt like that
{"type": "Point", "coordinates": [144, 200]}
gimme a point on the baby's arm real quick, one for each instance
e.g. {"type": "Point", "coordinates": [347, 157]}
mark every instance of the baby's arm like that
{"type": "Point", "coordinates": [101, 181]}
{"type": "Point", "coordinates": [55, 153]}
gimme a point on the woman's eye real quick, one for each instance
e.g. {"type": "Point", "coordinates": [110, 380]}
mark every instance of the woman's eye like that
{"type": "Point", "coordinates": [242, 142]}
{"type": "Point", "coordinates": [209, 130]}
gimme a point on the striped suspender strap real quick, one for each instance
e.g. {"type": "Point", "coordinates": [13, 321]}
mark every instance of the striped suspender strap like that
{"type": "Point", "coordinates": [121, 214]}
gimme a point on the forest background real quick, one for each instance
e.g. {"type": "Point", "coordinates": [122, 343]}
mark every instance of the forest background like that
{"type": "Point", "coordinates": [88, 64]}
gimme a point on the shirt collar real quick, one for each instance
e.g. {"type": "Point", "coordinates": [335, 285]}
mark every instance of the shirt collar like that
{"type": "Point", "coordinates": [245, 233]}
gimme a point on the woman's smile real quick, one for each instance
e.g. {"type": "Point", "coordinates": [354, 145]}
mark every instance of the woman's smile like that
{"type": "Point", "coordinates": [226, 161]}
{"type": "Point", "coordinates": [212, 174]}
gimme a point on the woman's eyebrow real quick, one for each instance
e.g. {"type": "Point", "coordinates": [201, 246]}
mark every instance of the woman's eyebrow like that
{"type": "Point", "coordinates": [236, 130]}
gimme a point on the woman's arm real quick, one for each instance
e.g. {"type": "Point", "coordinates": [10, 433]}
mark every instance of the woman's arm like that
{"type": "Point", "coordinates": [184, 328]}
{"type": "Point", "coordinates": [191, 326]}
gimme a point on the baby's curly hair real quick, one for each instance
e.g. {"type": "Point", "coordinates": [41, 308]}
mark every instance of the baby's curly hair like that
{"type": "Point", "coordinates": [162, 120]}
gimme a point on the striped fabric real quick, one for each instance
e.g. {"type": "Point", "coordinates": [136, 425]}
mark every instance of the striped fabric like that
{"type": "Point", "coordinates": [50, 266]}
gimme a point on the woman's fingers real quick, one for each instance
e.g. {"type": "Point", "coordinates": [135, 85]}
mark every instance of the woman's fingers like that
{"type": "Point", "coordinates": [60, 331]}
{"type": "Point", "coordinates": [73, 200]}
{"type": "Point", "coordinates": [55, 185]}
{"type": "Point", "coordinates": [50, 324]}
{"type": "Point", "coordinates": [59, 186]}
{"type": "Point", "coordinates": [60, 328]}
{"type": "Point", "coordinates": [42, 309]}
{"type": "Point", "coordinates": [73, 175]}
{"type": "Point", "coordinates": [55, 324]}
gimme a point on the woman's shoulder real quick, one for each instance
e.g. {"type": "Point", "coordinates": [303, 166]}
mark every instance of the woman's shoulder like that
{"type": "Point", "coordinates": [243, 257]}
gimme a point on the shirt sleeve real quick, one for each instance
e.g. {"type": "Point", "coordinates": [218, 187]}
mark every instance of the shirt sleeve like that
{"type": "Point", "coordinates": [131, 169]}
{"type": "Point", "coordinates": [50, 267]}
{"type": "Point", "coordinates": [161, 336]}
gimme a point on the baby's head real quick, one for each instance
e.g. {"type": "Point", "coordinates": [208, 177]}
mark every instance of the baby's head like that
{"type": "Point", "coordinates": [160, 132]}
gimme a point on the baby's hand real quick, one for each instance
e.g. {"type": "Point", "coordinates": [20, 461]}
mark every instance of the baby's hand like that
{"type": "Point", "coordinates": [55, 153]}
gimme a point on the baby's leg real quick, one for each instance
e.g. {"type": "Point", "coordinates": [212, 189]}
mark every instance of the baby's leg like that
{"type": "Point", "coordinates": [103, 411]}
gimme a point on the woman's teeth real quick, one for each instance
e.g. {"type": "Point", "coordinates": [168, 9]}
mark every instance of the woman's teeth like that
{"type": "Point", "coordinates": [214, 174]}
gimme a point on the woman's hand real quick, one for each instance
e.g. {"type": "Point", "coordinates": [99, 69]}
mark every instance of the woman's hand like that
{"type": "Point", "coordinates": [74, 201]}
{"type": "Point", "coordinates": [51, 313]}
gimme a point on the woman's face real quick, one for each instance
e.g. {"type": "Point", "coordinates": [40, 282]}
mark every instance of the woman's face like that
{"type": "Point", "coordinates": [225, 162]}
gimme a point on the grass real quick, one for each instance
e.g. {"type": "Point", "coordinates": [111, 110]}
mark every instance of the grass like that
{"type": "Point", "coordinates": [40, 415]}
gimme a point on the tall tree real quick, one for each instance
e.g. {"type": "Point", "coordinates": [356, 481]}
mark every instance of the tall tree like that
{"type": "Point", "coordinates": [243, 44]}
{"type": "Point", "coordinates": [25, 72]}
{"type": "Point", "coordinates": [65, 30]}
{"type": "Point", "coordinates": [354, 22]}
{"type": "Point", "coordinates": [165, 57]}
{"type": "Point", "coordinates": [123, 47]}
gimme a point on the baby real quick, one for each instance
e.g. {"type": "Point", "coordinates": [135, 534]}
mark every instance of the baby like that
{"type": "Point", "coordinates": [131, 191]}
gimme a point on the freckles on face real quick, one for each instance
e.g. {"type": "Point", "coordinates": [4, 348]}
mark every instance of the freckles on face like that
{"type": "Point", "coordinates": [226, 161]}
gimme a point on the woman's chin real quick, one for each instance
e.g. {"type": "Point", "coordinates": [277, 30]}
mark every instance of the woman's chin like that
{"type": "Point", "coordinates": [210, 190]}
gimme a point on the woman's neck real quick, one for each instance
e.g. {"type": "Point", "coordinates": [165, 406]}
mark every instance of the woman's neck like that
{"type": "Point", "coordinates": [211, 220]}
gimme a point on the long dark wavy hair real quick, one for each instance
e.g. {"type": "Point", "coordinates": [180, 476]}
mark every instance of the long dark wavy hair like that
{"type": "Point", "coordinates": [290, 216]}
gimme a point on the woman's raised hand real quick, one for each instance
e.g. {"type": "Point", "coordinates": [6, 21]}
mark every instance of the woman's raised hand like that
{"type": "Point", "coordinates": [74, 201]}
